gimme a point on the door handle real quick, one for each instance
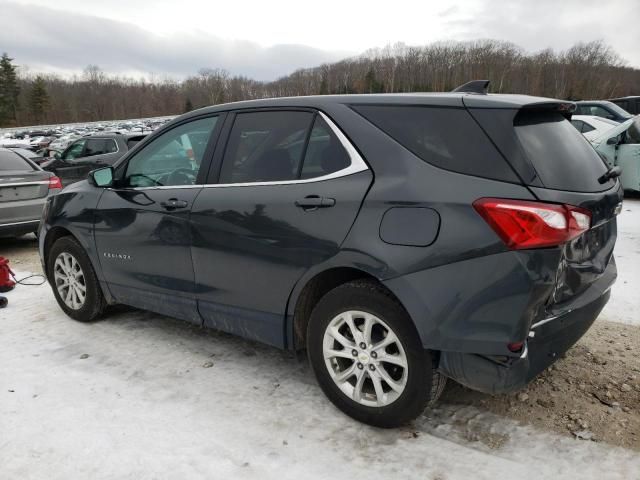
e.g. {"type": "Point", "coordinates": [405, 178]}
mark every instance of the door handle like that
{"type": "Point", "coordinates": [313, 202]}
{"type": "Point", "coordinates": [173, 203]}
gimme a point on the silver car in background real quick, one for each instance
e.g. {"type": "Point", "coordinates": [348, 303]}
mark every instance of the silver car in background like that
{"type": "Point", "coordinates": [24, 188]}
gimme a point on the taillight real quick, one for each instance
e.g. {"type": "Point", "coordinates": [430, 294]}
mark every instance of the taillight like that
{"type": "Point", "coordinates": [523, 224]}
{"type": "Point", "coordinates": [54, 182]}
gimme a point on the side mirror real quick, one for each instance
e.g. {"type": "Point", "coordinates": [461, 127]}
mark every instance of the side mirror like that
{"type": "Point", "coordinates": [57, 155]}
{"type": "Point", "coordinates": [102, 177]}
{"type": "Point", "coordinates": [612, 141]}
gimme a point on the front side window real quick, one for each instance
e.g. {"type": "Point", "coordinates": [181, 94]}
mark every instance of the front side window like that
{"type": "Point", "coordinates": [173, 158]}
{"type": "Point", "coordinates": [74, 151]}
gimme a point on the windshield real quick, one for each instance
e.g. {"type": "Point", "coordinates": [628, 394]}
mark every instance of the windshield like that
{"type": "Point", "coordinates": [619, 110]}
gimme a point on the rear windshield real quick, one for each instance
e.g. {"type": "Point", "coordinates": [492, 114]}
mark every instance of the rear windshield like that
{"type": "Point", "coordinates": [10, 161]}
{"type": "Point", "coordinates": [448, 138]}
{"type": "Point", "coordinates": [561, 156]}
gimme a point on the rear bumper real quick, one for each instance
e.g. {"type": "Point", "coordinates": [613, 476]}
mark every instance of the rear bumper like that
{"type": "Point", "coordinates": [548, 341]}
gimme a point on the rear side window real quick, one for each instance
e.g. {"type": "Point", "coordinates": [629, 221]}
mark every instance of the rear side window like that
{"type": "Point", "coordinates": [561, 156]}
{"type": "Point", "coordinates": [10, 161]}
{"type": "Point", "coordinates": [265, 147]}
{"type": "Point", "coordinates": [448, 138]}
{"type": "Point", "coordinates": [325, 154]}
{"type": "Point", "coordinates": [582, 126]}
{"type": "Point", "coordinates": [95, 146]}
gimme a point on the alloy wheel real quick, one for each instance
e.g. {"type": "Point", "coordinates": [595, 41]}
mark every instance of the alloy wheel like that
{"type": "Point", "coordinates": [365, 358]}
{"type": "Point", "coordinates": [69, 281]}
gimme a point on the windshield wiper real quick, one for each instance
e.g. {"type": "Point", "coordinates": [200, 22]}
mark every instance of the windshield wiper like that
{"type": "Point", "coordinates": [613, 172]}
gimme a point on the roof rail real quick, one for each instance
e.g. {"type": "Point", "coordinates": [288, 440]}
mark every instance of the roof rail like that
{"type": "Point", "coordinates": [474, 86]}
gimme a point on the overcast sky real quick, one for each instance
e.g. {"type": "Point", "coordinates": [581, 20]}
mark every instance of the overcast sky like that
{"type": "Point", "coordinates": [265, 39]}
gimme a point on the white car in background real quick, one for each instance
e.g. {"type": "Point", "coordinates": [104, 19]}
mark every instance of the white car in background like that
{"type": "Point", "coordinates": [618, 144]}
{"type": "Point", "coordinates": [592, 126]}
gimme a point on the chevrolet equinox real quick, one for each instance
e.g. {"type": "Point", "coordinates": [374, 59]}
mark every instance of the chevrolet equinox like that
{"type": "Point", "coordinates": [401, 239]}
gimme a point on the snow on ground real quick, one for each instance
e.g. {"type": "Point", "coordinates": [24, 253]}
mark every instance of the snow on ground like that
{"type": "Point", "coordinates": [624, 305]}
{"type": "Point", "coordinates": [143, 405]}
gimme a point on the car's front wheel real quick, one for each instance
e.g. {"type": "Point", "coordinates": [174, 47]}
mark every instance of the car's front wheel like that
{"type": "Point", "coordinates": [74, 281]}
{"type": "Point", "coordinates": [367, 356]}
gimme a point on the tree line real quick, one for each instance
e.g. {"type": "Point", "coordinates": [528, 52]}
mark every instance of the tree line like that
{"type": "Point", "coordinates": [584, 71]}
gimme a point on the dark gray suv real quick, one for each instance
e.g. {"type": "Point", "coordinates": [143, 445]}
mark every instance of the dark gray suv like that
{"type": "Point", "coordinates": [399, 239]}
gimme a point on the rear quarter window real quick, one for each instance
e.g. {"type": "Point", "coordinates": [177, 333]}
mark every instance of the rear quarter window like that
{"type": "Point", "coordinates": [560, 155]}
{"type": "Point", "coordinates": [447, 138]}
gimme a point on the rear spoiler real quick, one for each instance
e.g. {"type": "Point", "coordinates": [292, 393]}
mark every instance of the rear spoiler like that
{"type": "Point", "coordinates": [565, 108]}
{"type": "Point", "coordinates": [480, 98]}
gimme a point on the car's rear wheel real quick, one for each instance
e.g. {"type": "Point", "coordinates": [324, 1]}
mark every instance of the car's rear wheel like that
{"type": "Point", "coordinates": [367, 356]}
{"type": "Point", "coordinates": [74, 281]}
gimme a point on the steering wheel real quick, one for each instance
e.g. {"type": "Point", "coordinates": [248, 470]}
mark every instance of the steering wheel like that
{"type": "Point", "coordinates": [181, 176]}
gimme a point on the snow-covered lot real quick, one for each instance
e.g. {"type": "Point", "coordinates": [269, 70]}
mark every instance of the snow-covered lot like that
{"type": "Point", "coordinates": [137, 395]}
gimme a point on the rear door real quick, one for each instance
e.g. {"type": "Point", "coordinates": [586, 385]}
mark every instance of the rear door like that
{"type": "Point", "coordinates": [289, 189]}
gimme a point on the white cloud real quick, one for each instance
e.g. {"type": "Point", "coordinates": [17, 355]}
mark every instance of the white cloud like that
{"type": "Point", "coordinates": [268, 39]}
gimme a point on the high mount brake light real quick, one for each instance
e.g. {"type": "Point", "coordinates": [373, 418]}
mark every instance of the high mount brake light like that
{"type": "Point", "coordinates": [523, 224]}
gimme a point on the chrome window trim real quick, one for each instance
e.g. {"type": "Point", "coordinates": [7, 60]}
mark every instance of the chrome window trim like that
{"type": "Point", "coordinates": [117, 146]}
{"type": "Point", "coordinates": [22, 184]}
{"type": "Point", "coordinates": [357, 165]}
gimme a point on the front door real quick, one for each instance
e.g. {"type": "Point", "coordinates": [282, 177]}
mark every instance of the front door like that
{"type": "Point", "coordinates": [289, 190]}
{"type": "Point", "coordinates": [142, 228]}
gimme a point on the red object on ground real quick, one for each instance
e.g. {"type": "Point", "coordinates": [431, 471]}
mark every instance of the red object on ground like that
{"type": "Point", "coordinates": [6, 276]}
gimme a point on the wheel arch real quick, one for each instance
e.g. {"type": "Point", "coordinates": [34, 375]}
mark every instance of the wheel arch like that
{"type": "Point", "coordinates": [52, 235]}
{"type": "Point", "coordinates": [59, 231]}
{"type": "Point", "coordinates": [310, 290]}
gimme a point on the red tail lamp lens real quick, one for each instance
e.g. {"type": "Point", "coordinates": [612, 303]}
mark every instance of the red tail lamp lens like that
{"type": "Point", "coordinates": [524, 224]}
{"type": "Point", "coordinates": [55, 182]}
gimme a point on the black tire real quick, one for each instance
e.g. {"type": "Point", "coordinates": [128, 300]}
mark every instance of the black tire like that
{"type": "Point", "coordinates": [424, 384]}
{"type": "Point", "coordinates": [94, 300]}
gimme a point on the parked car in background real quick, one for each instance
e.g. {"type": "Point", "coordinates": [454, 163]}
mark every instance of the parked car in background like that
{"type": "Point", "coordinates": [631, 104]}
{"type": "Point", "coordinates": [89, 153]}
{"type": "Point", "coordinates": [63, 141]}
{"type": "Point", "coordinates": [620, 146]}
{"type": "Point", "coordinates": [604, 109]}
{"type": "Point", "coordinates": [591, 126]}
{"type": "Point", "coordinates": [30, 155]}
{"type": "Point", "coordinates": [24, 188]}
{"type": "Point", "coordinates": [401, 239]}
